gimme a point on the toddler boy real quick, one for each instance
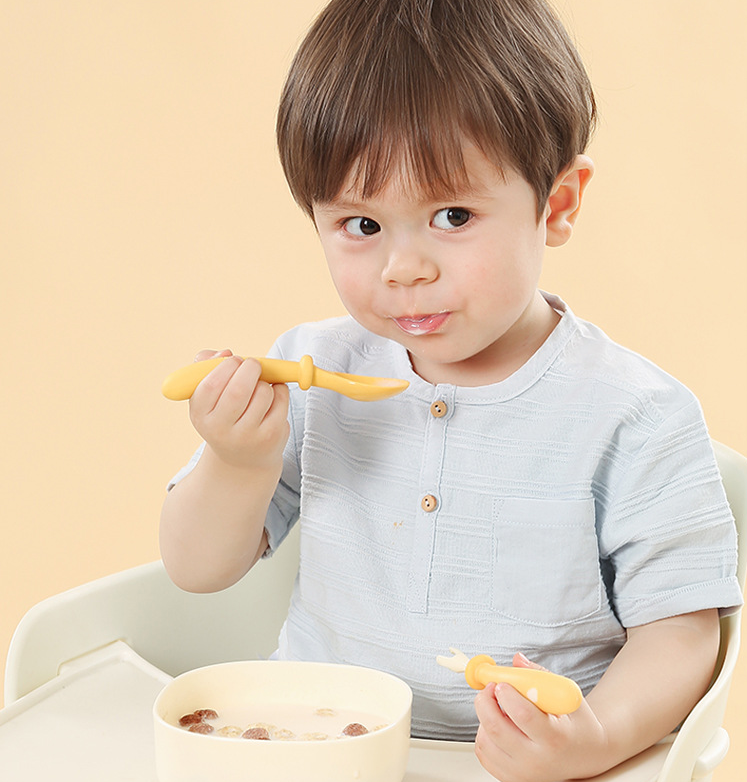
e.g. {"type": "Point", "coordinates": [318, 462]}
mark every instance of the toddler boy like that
{"type": "Point", "coordinates": [537, 488]}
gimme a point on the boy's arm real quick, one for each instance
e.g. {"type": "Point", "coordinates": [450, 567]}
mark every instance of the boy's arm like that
{"type": "Point", "coordinates": [658, 676]}
{"type": "Point", "coordinates": [651, 685]}
{"type": "Point", "coordinates": [212, 522]}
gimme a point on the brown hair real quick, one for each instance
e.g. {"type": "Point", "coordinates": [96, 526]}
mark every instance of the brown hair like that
{"type": "Point", "coordinates": [377, 84]}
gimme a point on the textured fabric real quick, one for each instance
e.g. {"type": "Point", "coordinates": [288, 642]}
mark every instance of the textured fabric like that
{"type": "Point", "coordinates": [575, 498]}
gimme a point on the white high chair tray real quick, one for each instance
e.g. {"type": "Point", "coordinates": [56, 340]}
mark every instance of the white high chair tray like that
{"type": "Point", "coordinates": [94, 722]}
{"type": "Point", "coordinates": [91, 722]}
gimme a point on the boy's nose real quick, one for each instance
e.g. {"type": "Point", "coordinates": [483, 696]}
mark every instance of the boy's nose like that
{"type": "Point", "coordinates": [408, 266]}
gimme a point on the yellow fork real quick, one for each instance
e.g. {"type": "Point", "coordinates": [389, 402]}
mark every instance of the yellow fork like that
{"type": "Point", "coordinates": [550, 692]}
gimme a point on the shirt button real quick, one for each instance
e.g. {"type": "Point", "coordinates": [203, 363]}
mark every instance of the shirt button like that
{"type": "Point", "coordinates": [439, 409]}
{"type": "Point", "coordinates": [429, 503]}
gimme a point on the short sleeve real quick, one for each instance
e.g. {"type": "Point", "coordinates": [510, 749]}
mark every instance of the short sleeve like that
{"type": "Point", "coordinates": [284, 508]}
{"type": "Point", "coordinates": [668, 530]}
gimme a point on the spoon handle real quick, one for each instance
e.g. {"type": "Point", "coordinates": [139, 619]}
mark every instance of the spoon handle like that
{"type": "Point", "coordinates": [181, 384]}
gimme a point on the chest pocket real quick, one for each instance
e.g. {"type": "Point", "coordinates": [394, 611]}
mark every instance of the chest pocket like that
{"type": "Point", "coordinates": [547, 561]}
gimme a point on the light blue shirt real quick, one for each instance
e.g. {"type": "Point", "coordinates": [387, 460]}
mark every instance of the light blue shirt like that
{"type": "Point", "coordinates": [541, 514]}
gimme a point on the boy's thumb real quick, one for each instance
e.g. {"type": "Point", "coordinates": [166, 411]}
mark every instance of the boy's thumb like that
{"type": "Point", "coordinates": [522, 661]}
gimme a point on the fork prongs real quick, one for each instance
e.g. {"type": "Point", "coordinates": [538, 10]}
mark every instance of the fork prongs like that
{"type": "Point", "coordinates": [457, 662]}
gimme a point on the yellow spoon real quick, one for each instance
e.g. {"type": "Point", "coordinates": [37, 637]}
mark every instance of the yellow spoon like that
{"type": "Point", "coordinates": [552, 693]}
{"type": "Point", "coordinates": [181, 384]}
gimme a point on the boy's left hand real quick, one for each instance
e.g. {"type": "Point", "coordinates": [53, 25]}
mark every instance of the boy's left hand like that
{"type": "Point", "coordinates": [517, 742]}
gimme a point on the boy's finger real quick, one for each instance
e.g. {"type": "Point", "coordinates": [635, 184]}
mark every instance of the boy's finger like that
{"type": "Point", "coordinates": [210, 388]}
{"type": "Point", "coordinates": [492, 717]}
{"type": "Point", "coordinates": [495, 727]}
{"type": "Point", "coordinates": [499, 738]}
{"type": "Point", "coordinates": [486, 706]}
{"type": "Point", "coordinates": [225, 393]}
{"type": "Point", "coordinates": [280, 400]}
{"type": "Point", "coordinates": [527, 718]}
{"type": "Point", "coordinates": [492, 756]}
{"type": "Point", "coordinates": [520, 660]}
{"type": "Point", "coordinates": [204, 355]}
{"type": "Point", "coordinates": [244, 392]}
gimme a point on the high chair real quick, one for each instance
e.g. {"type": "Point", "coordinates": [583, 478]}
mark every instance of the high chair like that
{"type": "Point", "coordinates": [171, 631]}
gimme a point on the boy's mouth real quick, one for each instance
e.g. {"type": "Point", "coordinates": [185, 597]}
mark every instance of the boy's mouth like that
{"type": "Point", "coordinates": [418, 325]}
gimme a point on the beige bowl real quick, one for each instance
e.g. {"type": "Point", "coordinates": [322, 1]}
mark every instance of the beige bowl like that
{"type": "Point", "coordinates": [378, 756]}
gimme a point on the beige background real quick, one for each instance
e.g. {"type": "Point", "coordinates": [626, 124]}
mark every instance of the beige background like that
{"type": "Point", "coordinates": [143, 216]}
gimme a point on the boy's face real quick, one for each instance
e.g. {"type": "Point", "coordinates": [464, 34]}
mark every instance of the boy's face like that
{"type": "Point", "coordinates": [454, 281]}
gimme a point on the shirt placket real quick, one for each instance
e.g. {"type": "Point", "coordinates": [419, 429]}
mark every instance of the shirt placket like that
{"type": "Point", "coordinates": [427, 512]}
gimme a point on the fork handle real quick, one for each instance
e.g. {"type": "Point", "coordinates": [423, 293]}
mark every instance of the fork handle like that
{"type": "Point", "coordinates": [550, 692]}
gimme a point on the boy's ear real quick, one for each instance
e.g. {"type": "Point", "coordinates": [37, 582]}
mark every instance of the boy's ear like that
{"type": "Point", "coordinates": [564, 202]}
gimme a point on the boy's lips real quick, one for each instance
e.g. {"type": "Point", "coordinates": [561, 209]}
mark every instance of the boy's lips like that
{"type": "Point", "coordinates": [418, 325]}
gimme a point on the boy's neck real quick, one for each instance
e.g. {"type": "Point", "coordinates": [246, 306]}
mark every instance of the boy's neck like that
{"type": "Point", "coordinates": [502, 358]}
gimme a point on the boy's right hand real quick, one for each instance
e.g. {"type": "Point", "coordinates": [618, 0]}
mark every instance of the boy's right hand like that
{"type": "Point", "coordinates": [242, 419]}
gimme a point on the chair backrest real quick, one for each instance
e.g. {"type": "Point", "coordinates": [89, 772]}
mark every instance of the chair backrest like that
{"type": "Point", "coordinates": [701, 742]}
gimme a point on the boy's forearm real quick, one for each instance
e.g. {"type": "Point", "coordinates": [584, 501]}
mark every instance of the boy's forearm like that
{"type": "Point", "coordinates": [212, 524]}
{"type": "Point", "coordinates": [659, 675]}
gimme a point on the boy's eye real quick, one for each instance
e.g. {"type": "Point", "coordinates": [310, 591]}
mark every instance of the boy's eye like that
{"type": "Point", "coordinates": [452, 217]}
{"type": "Point", "coordinates": [361, 226]}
